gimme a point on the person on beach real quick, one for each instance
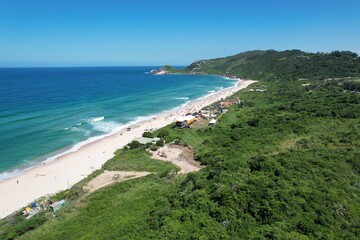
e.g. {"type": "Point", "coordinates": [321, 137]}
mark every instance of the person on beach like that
{"type": "Point", "coordinates": [17, 181]}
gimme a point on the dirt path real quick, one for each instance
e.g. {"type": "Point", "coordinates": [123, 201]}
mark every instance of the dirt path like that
{"type": "Point", "coordinates": [109, 177]}
{"type": "Point", "coordinates": [182, 157]}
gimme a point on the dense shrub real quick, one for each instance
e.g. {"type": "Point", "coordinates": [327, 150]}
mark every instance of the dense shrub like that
{"type": "Point", "coordinates": [163, 133]}
{"type": "Point", "coordinates": [134, 144]}
{"type": "Point", "coordinates": [160, 143]}
{"type": "Point", "coordinates": [147, 134]}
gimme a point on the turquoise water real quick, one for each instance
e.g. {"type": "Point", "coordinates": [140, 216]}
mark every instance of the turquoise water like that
{"type": "Point", "coordinates": [47, 110]}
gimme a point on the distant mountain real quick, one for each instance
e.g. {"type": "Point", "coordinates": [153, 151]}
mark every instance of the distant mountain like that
{"type": "Point", "coordinates": [279, 65]}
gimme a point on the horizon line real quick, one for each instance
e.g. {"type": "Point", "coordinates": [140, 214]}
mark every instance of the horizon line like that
{"type": "Point", "coordinates": [94, 66]}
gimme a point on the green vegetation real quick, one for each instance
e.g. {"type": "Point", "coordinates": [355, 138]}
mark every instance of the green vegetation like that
{"type": "Point", "coordinates": [163, 133]}
{"type": "Point", "coordinates": [119, 212]}
{"type": "Point", "coordinates": [137, 160]}
{"type": "Point", "coordinates": [285, 168]}
{"type": "Point", "coordinates": [147, 134]}
{"type": "Point", "coordinates": [283, 164]}
{"type": "Point", "coordinates": [169, 69]}
{"type": "Point", "coordinates": [285, 65]}
{"type": "Point", "coordinates": [18, 225]}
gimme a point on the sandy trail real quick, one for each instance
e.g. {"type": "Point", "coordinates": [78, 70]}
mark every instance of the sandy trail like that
{"type": "Point", "coordinates": [182, 157]}
{"type": "Point", "coordinates": [109, 177]}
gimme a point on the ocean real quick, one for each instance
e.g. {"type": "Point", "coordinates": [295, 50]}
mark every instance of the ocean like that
{"type": "Point", "coordinates": [47, 111]}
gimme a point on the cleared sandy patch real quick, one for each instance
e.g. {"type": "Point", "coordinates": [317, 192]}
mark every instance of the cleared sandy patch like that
{"type": "Point", "coordinates": [182, 157]}
{"type": "Point", "coordinates": [109, 177]}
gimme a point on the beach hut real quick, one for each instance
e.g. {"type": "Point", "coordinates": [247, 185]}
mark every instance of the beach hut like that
{"type": "Point", "coordinates": [57, 205]}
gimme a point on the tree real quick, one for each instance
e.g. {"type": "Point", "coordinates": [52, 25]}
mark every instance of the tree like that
{"type": "Point", "coordinates": [160, 143]}
{"type": "Point", "coordinates": [147, 135]}
{"type": "Point", "coordinates": [134, 144]}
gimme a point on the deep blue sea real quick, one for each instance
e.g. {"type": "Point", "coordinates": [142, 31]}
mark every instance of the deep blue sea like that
{"type": "Point", "coordinates": [44, 111]}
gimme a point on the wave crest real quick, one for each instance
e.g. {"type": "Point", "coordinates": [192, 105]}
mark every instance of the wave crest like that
{"type": "Point", "coordinates": [181, 98]}
{"type": "Point", "coordinates": [98, 119]}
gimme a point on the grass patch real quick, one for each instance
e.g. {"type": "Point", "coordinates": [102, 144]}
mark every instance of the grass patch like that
{"type": "Point", "coordinates": [137, 160]}
{"type": "Point", "coordinates": [118, 212]}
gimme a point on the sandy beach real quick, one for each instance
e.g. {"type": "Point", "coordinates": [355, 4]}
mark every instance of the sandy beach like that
{"type": "Point", "coordinates": [68, 169]}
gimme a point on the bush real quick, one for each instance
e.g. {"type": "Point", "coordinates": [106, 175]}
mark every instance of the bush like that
{"type": "Point", "coordinates": [253, 122]}
{"type": "Point", "coordinates": [18, 225]}
{"type": "Point", "coordinates": [147, 135]}
{"type": "Point", "coordinates": [160, 143]}
{"type": "Point", "coordinates": [134, 144]}
{"type": "Point", "coordinates": [153, 148]}
{"type": "Point", "coordinates": [247, 104]}
{"type": "Point", "coordinates": [348, 114]}
{"type": "Point", "coordinates": [163, 133]}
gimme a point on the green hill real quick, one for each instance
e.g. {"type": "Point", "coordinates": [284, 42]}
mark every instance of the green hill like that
{"type": "Point", "coordinates": [284, 65]}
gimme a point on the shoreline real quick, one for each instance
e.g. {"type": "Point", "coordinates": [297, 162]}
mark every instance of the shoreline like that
{"type": "Point", "coordinates": [71, 167]}
{"type": "Point", "coordinates": [53, 156]}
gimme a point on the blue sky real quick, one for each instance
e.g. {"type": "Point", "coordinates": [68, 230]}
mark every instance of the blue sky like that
{"type": "Point", "coordinates": [158, 32]}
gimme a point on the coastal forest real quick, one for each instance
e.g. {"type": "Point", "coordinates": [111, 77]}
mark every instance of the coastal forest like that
{"type": "Point", "coordinates": [282, 164]}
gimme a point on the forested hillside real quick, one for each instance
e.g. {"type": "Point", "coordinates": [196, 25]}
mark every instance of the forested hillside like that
{"type": "Point", "coordinates": [283, 164]}
{"type": "Point", "coordinates": [284, 65]}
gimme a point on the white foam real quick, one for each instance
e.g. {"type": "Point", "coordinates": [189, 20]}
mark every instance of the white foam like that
{"type": "Point", "coordinates": [117, 128]}
{"type": "Point", "coordinates": [98, 119]}
{"type": "Point", "coordinates": [182, 98]}
{"type": "Point", "coordinates": [105, 127]}
{"type": "Point", "coordinates": [6, 175]}
{"type": "Point", "coordinates": [211, 91]}
{"type": "Point", "coordinates": [76, 129]}
{"type": "Point", "coordinates": [14, 173]}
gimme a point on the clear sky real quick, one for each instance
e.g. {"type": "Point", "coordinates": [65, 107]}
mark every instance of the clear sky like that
{"type": "Point", "coordinates": [158, 32]}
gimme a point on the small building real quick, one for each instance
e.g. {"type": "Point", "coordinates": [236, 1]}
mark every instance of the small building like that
{"type": "Point", "coordinates": [261, 90]}
{"type": "Point", "coordinates": [212, 122]}
{"type": "Point", "coordinates": [145, 140]}
{"type": "Point", "coordinates": [57, 205]}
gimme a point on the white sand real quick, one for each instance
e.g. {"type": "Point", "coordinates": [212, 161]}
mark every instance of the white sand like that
{"type": "Point", "coordinates": [70, 168]}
